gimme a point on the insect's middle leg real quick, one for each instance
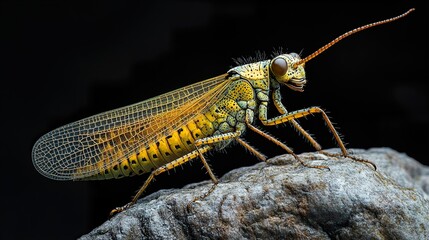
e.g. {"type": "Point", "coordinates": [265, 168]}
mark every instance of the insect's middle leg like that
{"type": "Point", "coordinates": [203, 142]}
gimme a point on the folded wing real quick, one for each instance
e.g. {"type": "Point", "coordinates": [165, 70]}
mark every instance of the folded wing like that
{"type": "Point", "coordinates": [119, 133]}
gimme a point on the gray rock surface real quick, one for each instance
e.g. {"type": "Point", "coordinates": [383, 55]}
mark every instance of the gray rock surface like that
{"type": "Point", "coordinates": [282, 199]}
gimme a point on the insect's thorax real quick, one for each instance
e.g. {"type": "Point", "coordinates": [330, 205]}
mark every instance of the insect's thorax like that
{"type": "Point", "coordinates": [241, 101]}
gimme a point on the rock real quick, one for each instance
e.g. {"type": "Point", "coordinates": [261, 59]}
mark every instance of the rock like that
{"type": "Point", "coordinates": [282, 199]}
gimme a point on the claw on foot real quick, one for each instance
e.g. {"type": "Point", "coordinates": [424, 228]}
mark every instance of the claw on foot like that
{"type": "Point", "coordinates": [189, 206]}
{"type": "Point", "coordinates": [201, 197]}
{"type": "Point", "coordinates": [363, 161]}
{"type": "Point", "coordinates": [120, 209]}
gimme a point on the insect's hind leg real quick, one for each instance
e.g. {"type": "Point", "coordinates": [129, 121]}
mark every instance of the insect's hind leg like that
{"type": "Point", "coordinates": [192, 155]}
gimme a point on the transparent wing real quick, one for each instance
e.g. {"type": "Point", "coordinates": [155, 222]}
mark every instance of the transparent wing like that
{"type": "Point", "coordinates": [66, 152]}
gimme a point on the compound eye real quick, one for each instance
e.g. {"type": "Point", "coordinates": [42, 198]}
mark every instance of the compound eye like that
{"type": "Point", "coordinates": [279, 67]}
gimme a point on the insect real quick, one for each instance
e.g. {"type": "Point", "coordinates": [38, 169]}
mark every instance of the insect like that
{"type": "Point", "coordinates": [166, 131]}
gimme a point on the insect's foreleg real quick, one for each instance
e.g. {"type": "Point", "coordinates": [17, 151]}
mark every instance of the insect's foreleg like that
{"type": "Point", "coordinates": [302, 113]}
{"type": "Point", "coordinates": [282, 110]}
{"type": "Point", "coordinates": [305, 112]}
{"type": "Point", "coordinates": [192, 155]}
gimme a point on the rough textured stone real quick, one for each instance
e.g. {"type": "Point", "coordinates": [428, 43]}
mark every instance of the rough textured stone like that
{"type": "Point", "coordinates": [282, 199]}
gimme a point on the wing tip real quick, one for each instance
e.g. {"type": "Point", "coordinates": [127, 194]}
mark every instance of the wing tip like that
{"type": "Point", "coordinates": [44, 165]}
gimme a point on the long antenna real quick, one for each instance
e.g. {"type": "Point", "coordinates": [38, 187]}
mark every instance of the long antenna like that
{"type": "Point", "coordinates": [322, 49]}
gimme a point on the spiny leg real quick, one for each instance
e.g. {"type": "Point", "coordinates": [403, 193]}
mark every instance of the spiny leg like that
{"type": "Point", "coordinates": [219, 138]}
{"type": "Point", "coordinates": [166, 167]}
{"type": "Point", "coordinates": [277, 100]}
{"type": "Point", "coordinates": [276, 95]}
{"type": "Point", "coordinates": [305, 112]}
{"type": "Point", "coordinates": [309, 111]}
{"type": "Point", "coordinates": [251, 149]}
{"type": "Point", "coordinates": [206, 141]}
{"type": "Point", "coordinates": [282, 145]}
{"type": "Point", "coordinates": [307, 135]}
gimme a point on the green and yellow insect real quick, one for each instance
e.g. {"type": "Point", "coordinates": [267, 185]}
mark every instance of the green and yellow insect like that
{"type": "Point", "coordinates": [169, 130]}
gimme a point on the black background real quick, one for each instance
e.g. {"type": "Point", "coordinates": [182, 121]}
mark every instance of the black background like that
{"type": "Point", "coordinates": [65, 61]}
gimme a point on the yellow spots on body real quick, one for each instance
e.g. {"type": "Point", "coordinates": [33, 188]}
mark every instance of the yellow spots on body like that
{"type": "Point", "coordinates": [155, 155]}
{"type": "Point", "coordinates": [260, 84]}
{"type": "Point", "coordinates": [186, 136]}
{"type": "Point", "coordinates": [125, 167]}
{"type": "Point", "coordinates": [134, 164]}
{"type": "Point", "coordinates": [164, 148]}
{"type": "Point", "coordinates": [195, 131]}
{"type": "Point", "coordinates": [176, 145]}
{"type": "Point", "coordinates": [252, 71]}
{"type": "Point", "coordinates": [204, 124]}
{"type": "Point", "coordinates": [210, 116]}
{"type": "Point", "coordinates": [144, 161]}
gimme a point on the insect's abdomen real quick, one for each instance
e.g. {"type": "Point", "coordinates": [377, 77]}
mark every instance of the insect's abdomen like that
{"type": "Point", "coordinates": [224, 116]}
{"type": "Point", "coordinates": [158, 153]}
